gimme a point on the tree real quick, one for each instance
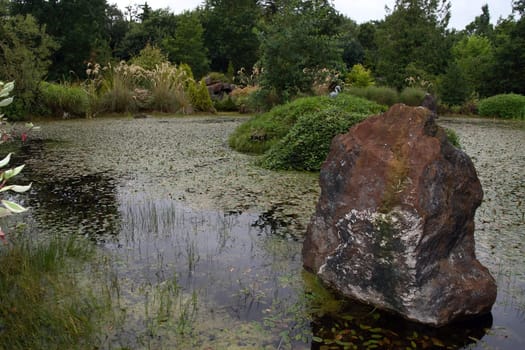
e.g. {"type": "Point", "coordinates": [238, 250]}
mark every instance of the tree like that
{"type": "Point", "coordinates": [453, 88]}
{"type": "Point", "coordinates": [413, 33]}
{"type": "Point", "coordinates": [79, 27]}
{"type": "Point", "coordinates": [187, 45]}
{"type": "Point", "coordinates": [229, 33]}
{"type": "Point", "coordinates": [296, 42]}
{"type": "Point", "coordinates": [158, 25]}
{"type": "Point", "coordinates": [481, 24]}
{"type": "Point", "coordinates": [25, 51]}
{"type": "Point", "coordinates": [353, 50]}
{"type": "Point", "coordinates": [474, 56]}
{"type": "Point", "coordinates": [509, 54]}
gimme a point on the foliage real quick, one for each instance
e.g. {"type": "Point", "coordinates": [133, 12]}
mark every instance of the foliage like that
{"type": "Point", "coordinates": [307, 143]}
{"type": "Point", "coordinates": [169, 85]}
{"type": "Point", "coordinates": [149, 57]}
{"type": "Point", "coordinates": [118, 88]}
{"type": "Point", "coordinates": [413, 33]}
{"type": "Point", "coordinates": [244, 98]}
{"type": "Point", "coordinates": [453, 87]}
{"type": "Point", "coordinates": [24, 57]}
{"type": "Point", "coordinates": [78, 26]}
{"type": "Point", "coordinates": [481, 25]}
{"type": "Point", "coordinates": [229, 33]}
{"type": "Point", "coordinates": [8, 207]}
{"type": "Point", "coordinates": [382, 95]}
{"type": "Point", "coordinates": [359, 77]}
{"type": "Point", "coordinates": [226, 104]}
{"type": "Point", "coordinates": [187, 45]}
{"type": "Point", "coordinates": [200, 97]}
{"type": "Point", "coordinates": [64, 99]}
{"type": "Point", "coordinates": [262, 132]}
{"type": "Point", "coordinates": [43, 304]}
{"type": "Point", "coordinates": [508, 70]}
{"type": "Point", "coordinates": [507, 106]}
{"type": "Point", "coordinates": [453, 137]}
{"type": "Point", "coordinates": [474, 56]}
{"type": "Point", "coordinates": [412, 96]}
{"type": "Point", "coordinates": [297, 42]}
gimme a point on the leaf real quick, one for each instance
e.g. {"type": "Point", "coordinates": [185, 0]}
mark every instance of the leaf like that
{"type": "Point", "coordinates": [6, 160]}
{"type": "Point", "coordinates": [6, 102]}
{"type": "Point", "coordinates": [16, 188]}
{"type": "Point", "coordinates": [13, 207]}
{"type": "Point", "coordinates": [317, 339]}
{"type": "Point", "coordinates": [4, 212]}
{"type": "Point", "coordinates": [12, 172]}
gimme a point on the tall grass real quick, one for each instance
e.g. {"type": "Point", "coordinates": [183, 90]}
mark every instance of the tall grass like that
{"type": "Point", "coordinates": [118, 88]}
{"type": "Point", "coordinates": [168, 88]}
{"type": "Point", "coordinates": [64, 98]}
{"type": "Point", "coordinates": [41, 305]}
{"type": "Point", "coordinates": [380, 94]}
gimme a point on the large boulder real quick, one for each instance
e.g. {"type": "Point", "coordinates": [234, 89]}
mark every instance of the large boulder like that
{"type": "Point", "coordinates": [394, 225]}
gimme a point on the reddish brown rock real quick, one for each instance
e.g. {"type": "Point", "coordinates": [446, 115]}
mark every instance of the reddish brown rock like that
{"type": "Point", "coordinates": [394, 225]}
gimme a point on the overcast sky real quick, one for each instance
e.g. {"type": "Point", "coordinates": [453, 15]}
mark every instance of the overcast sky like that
{"type": "Point", "coordinates": [463, 11]}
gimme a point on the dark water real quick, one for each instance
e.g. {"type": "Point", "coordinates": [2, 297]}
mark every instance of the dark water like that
{"type": "Point", "coordinates": [200, 249]}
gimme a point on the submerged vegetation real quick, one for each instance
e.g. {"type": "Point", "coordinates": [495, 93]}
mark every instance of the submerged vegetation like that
{"type": "Point", "coordinates": [44, 302]}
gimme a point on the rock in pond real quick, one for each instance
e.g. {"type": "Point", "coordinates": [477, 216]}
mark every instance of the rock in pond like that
{"type": "Point", "coordinates": [394, 225]}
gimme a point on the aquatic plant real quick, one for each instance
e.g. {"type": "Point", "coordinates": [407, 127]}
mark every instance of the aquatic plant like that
{"type": "Point", "coordinates": [8, 207]}
{"type": "Point", "coordinates": [45, 305]}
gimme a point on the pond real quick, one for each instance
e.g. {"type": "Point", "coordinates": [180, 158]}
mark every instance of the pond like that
{"type": "Point", "coordinates": [201, 249]}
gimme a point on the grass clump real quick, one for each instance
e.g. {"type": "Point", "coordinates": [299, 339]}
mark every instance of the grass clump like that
{"type": "Point", "coordinates": [412, 96]}
{"type": "Point", "coordinates": [297, 135]}
{"type": "Point", "coordinates": [380, 94]}
{"type": "Point", "coordinates": [59, 99]}
{"type": "Point", "coordinates": [506, 106]}
{"type": "Point", "coordinates": [42, 307]}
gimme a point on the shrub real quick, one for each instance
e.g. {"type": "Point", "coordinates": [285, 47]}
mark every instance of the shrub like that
{"type": "Point", "coordinates": [507, 106]}
{"type": "Point", "coordinates": [412, 96]}
{"type": "Point", "coordinates": [453, 137]}
{"type": "Point", "coordinates": [226, 104]}
{"type": "Point", "coordinates": [359, 76]}
{"type": "Point", "coordinates": [307, 143]}
{"type": "Point", "coordinates": [200, 97]}
{"type": "Point", "coordinates": [260, 133]}
{"type": "Point", "coordinates": [149, 57]}
{"type": "Point", "coordinates": [244, 98]}
{"type": "Point", "coordinates": [59, 99]}
{"type": "Point", "coordinates": [380, 94]}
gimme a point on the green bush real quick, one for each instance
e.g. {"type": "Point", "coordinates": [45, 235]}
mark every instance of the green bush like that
{"type": "Point", "coordinates": [412, 96]}
{"type": "Point", "coordinates": [59, 99]}
{"type": "Point", "coordinates": [226, 104]}
{"type": "Point", "coordinates": [507, 106]}
{"type": "Point", "coordinates": [359, 76]}
{"type": "Point", "coordinates": [306, 145]}
{"type": "Point", "coordinates": [265, 131]}
{"type": "Point", "coordinates": [200, 97]}
{"type": "Point", "coordinates": [380, 94]}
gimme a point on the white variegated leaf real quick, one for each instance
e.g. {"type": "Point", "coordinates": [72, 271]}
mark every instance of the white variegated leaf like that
{"type": "Point", "coordinates": [15, 188]}
{"type": "Point", "coordinates": [6, 102]}
{"type": "Point", "coordinates": [13, 207]}
{"type": "Point", "coordinates": [13, 172]}
{"type": "Point", "coordinates": [6, 160]}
